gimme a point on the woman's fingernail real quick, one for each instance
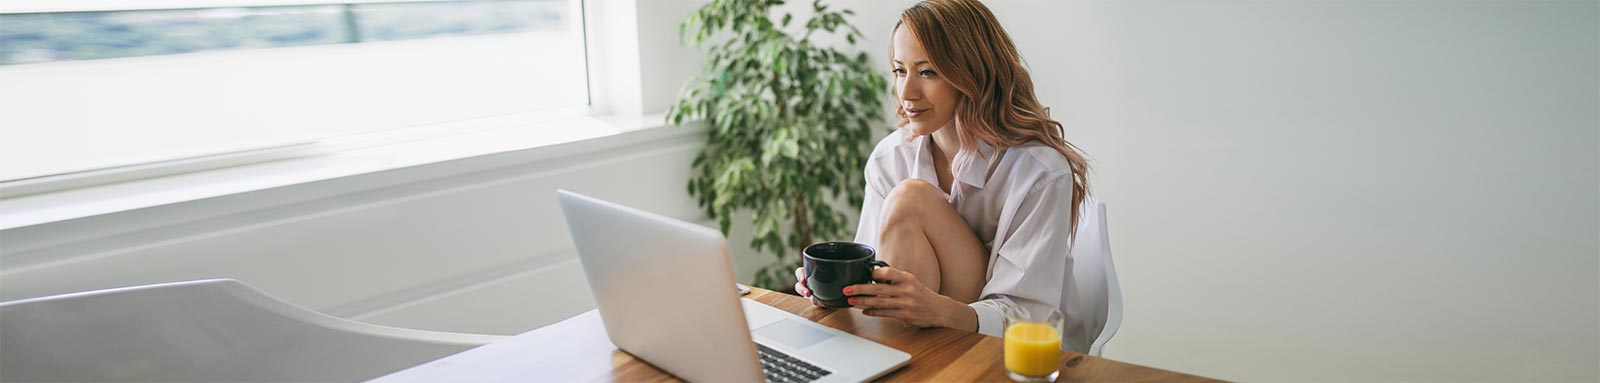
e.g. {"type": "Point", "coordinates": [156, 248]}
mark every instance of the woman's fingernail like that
{"type": "Point", "coordinates": [851, 300]}
{"type": "Point", "coordinates": [848, 290]}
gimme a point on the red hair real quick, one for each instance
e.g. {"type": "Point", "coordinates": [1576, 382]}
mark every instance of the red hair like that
{"type": "Point", "coordinates": [996, 104]}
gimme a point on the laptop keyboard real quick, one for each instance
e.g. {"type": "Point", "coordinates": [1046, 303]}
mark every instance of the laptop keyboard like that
{"type": "Point", "coordinates": [782, 368]}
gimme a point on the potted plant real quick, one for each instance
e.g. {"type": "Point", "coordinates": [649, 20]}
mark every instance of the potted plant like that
{"type": "Point", "coordinates": [791, 124]}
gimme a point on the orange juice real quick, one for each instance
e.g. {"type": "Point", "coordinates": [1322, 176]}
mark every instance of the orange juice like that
{"type": "Point", "coordinates": [1032, 348]}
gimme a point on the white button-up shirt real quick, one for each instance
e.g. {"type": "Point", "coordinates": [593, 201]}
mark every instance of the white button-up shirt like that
{"type": "Point", "coordinates": [1018, 203]}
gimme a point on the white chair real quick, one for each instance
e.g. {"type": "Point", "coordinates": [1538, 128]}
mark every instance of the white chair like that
{"type": "Point", "coordinates": [1092, 298]}
{"type": "Point", "coordinates": [209, 330]}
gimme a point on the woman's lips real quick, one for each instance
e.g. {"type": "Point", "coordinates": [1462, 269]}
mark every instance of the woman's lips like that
{"type": "Point", "coordinates": [913, 113]}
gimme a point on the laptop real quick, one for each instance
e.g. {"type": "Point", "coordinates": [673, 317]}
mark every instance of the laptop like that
{"type": "Point", "coordinates": [666, 294]}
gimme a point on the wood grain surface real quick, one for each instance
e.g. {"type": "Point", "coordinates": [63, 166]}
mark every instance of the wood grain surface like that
{"type": "Point", "coordinates": [949, 355]}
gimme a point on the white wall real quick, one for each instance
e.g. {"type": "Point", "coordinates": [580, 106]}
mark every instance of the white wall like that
{"type": "Point", "coordinates": [471, 245]}
{"type": "Point", "coordinates": [1407, 187]}
{"type": "Point", "coordinates": [1336, 191]}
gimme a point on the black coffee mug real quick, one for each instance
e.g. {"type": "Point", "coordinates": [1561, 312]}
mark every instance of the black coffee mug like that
{"type": "Point", "coordinates": [830, 266]}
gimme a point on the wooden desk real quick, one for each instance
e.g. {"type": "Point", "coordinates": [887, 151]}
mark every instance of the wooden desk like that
{"type": "Point", "coordinates": [577, 350]}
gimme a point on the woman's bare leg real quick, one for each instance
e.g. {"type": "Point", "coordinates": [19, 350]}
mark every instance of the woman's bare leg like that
{"type": "Point", "coordinates": [924, 235]}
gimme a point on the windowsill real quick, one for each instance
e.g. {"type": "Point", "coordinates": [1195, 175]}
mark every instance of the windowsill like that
{"type": "Point", "coordinates": [520, 140]}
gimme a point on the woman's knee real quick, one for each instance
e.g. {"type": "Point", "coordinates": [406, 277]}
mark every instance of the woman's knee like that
{"type": "Point", "coordinates": [909, 198]}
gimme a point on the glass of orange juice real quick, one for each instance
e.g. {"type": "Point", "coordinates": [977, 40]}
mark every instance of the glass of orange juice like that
{"type": "Point", "coordinates": [1033, 342]}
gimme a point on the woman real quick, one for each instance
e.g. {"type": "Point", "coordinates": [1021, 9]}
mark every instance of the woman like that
{"type": "Point", "coordinates": [974, 199]}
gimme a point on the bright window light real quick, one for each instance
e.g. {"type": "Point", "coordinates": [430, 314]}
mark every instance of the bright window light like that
{"type": "Point", "coordinates": [90, 85]}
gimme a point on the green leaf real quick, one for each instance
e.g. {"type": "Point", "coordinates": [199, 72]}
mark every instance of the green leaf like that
{"type": "Point", "coordinates": [790, 124]}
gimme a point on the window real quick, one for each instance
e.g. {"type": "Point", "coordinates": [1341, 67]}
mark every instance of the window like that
{"type": "Point", "coordinates": [89, 85]}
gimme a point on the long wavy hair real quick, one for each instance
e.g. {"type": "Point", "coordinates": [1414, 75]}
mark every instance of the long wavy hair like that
{"type": "Point", "coordinates": [996, 103]}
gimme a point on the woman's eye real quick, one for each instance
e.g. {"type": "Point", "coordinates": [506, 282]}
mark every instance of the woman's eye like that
{"type": "Point", "coordinates": [926, 73]}
{"type": "Point", "coordinates": [899, 71]}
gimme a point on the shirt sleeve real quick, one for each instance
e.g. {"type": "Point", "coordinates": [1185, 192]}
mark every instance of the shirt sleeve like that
{"type": "Point", "coordinates": [1033, 258]}
{"type": "Point", "coordinates": [871, 207]}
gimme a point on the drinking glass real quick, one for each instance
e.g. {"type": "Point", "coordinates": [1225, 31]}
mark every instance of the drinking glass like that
{"type": "Point", "coordinates": [1033, 342]}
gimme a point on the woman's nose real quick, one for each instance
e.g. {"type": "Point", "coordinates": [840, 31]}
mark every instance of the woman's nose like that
{"type": "Point", "coordinates": [909, 91]}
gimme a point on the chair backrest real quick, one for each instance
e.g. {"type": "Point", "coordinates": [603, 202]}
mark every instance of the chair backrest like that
{"type": "Point", "coordinates": [208, 330]}
{"type": "Point", "coordinates": [1092, 297]}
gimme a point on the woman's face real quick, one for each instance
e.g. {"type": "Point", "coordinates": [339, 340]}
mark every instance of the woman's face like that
{"type": "Point", "coordinates": [928, 100]}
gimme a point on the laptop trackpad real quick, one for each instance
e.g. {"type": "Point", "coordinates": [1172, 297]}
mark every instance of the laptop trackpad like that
{"type": "Point", "coordinates": [792, 333]}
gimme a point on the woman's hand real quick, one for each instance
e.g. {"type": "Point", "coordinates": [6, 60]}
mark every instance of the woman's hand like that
{"type": "Point", "coordinates": [801, 288]}
{"type": "Point", "coordinates": [900, 295]}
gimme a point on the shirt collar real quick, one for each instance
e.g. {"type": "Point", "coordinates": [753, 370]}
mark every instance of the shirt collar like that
{"type": "Point", "coordinates": [975, 174]}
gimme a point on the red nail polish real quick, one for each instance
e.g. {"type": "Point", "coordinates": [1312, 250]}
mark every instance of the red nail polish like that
{"type": "Point", "coordinates": [851, 300]}
{"type": "Point", "coordinates": [848, 290]}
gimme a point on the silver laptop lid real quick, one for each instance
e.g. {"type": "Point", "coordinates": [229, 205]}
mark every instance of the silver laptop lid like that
{"type": "Point", "coordinates": [663, 287]}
